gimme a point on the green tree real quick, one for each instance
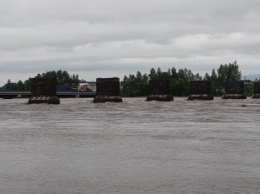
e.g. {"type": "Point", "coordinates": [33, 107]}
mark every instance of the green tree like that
{"type": "Point", "coordinates": [10, 86]}
{"type": "Point", "coordinates": [214, 76]}
{"type": "Point", "coordinates": [20, 86]}
{"type": "Point", "coordinates": [62, 78]}
{"type": "Point", "coordinates": [207, 77]}
{"type": "Point", "coordinates": [174, 72]}
{"type": "Point", "coordinates": [229, 73]}
{"type": "Point", "coordinates": [152, 73]}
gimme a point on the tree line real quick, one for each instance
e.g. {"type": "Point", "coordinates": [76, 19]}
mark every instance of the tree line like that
{"type": "Point", "coordinates": [63, 78]}
{"type": "Point", "coordinates": [137, 85]}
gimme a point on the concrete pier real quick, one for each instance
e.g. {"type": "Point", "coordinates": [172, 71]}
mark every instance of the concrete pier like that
{"type": "Point", "coordinates": [159, 90]}
{"type": "Point", "coordinates": [256, 90]}
{"type": "Point", "coordinates": [43, 91]}
{"type": "Point", "coordinates": [200, 90]}
{"type": "Point", "coordinates": [108, 90]}
{"type": "Point", "coordinates": [234, 90]}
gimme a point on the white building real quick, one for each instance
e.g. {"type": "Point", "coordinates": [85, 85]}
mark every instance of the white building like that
{"type": "Point", "coordinates": [88, 86]}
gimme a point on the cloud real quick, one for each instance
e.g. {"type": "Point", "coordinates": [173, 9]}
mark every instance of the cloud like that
{"type": "Point", "coordinates": [117, 36]}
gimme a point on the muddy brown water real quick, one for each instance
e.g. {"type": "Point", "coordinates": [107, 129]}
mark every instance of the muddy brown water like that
{"type": "Point", "coordinates": [132, 147]}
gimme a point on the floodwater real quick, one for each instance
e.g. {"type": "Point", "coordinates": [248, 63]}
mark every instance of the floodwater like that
{"type": "Point", "coordinates": [132, 147]}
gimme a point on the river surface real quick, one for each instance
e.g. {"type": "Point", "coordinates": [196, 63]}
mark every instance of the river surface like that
{"type": "Point", "coordinates": [133, 147]}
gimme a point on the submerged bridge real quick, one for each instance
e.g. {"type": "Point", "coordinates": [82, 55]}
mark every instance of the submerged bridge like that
{"type": "Point", "coordinates": [27, 94]}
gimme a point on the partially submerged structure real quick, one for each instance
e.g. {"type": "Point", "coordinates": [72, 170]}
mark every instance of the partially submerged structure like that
{"type": "Point", "coordinates": [256, 90]}
{"type": "Point", "coordinates": [159, 90]}
{"type": "Point", "coordinates": [43, 91]}
{"type": "Point", "coordinates": [200, 90]}
{"type": "Point", "coordinates": [107, 90]}
{"type": "Point", "coordinates": [234, 90]}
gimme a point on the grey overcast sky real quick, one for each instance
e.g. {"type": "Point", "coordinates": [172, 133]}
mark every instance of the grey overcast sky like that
{"type": "Point", "coordinates": [112, 38]}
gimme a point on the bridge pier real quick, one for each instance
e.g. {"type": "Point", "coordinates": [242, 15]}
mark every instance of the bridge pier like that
{"type": "Point", "coordinates": [159, 90]}
{"type": "Point", "coordinates": [108, 90]}
{"type": "Point", "coordinates": [43, 91]}
{"type": "Point", "coordinates": [200, 90]}
{"type": "Point", "coordinates": [256, 90]}
{"type": "Point", "coordinates": [234, 90]}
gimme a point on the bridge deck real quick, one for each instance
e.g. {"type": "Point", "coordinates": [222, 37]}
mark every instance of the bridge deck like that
{"type": "Point", "coordinates": [27, 94]}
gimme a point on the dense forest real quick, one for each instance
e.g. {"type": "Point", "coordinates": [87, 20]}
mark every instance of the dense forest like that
{"type": "Point", "coordinates": [137, 85]}
{"type": "Point", "coordinates": [63, 78]}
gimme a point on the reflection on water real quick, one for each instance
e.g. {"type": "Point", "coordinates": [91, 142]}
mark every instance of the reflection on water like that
{"type": "Point", "coordinates": [130, 147]}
